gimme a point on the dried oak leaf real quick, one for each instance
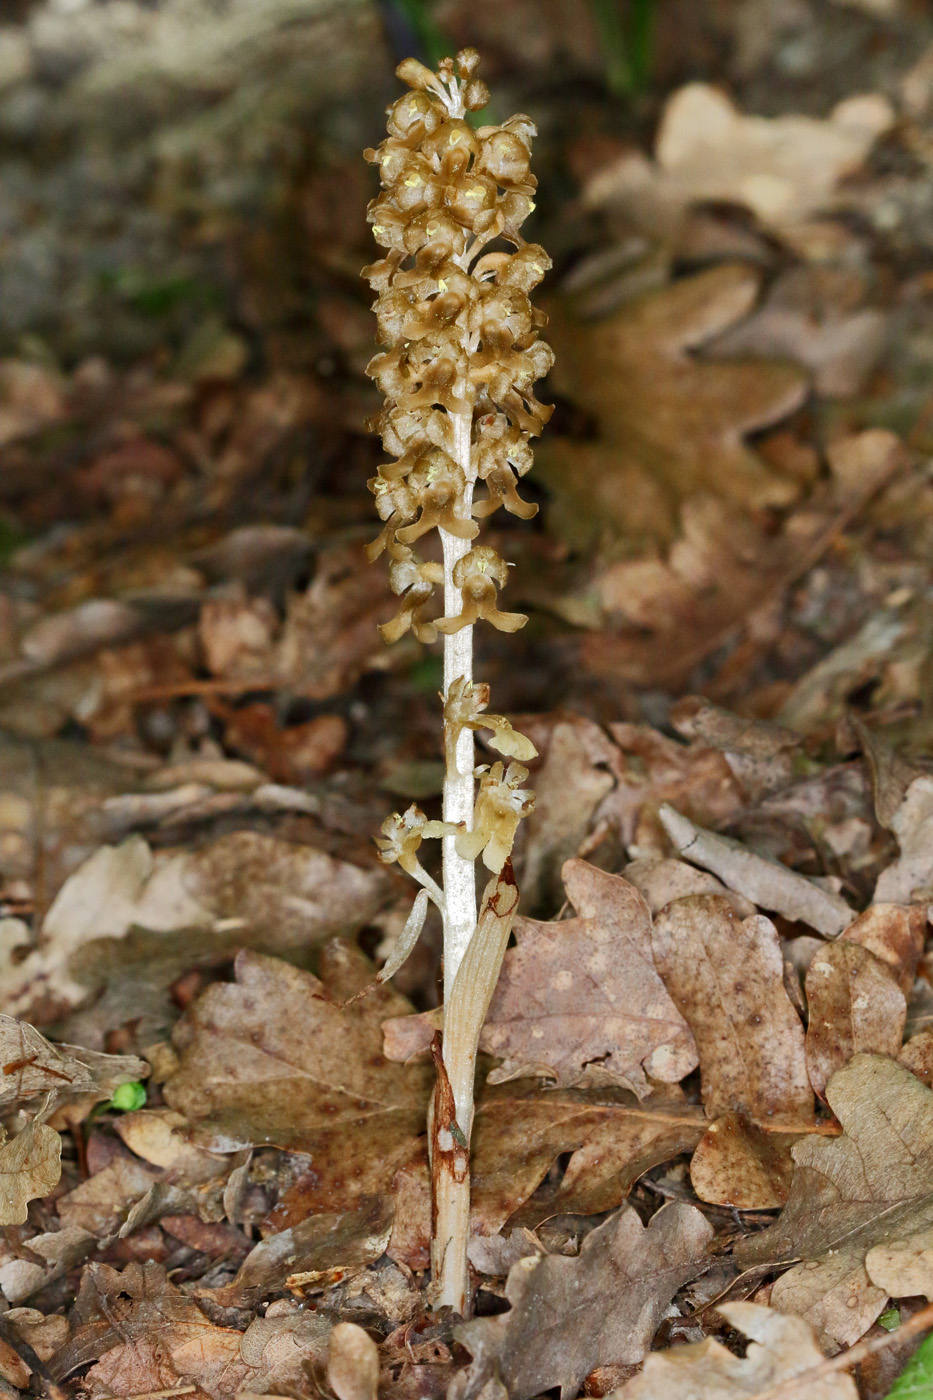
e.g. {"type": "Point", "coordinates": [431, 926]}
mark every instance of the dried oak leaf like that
{"type": "Point", "coordinates": [854, 1004]}
{"type": "Point", "coordinates": [868, 1189]}
{"type": "Point", "coordinates": [585, 991]}
{"type": "Point", "coordinates": [782, 168]}
{"type": "Point", "coordinates": [30, 1167]}
{"type": "Point", "coordinates": [281, 894]}
{"type": "Point", "coordinates": [665, 615]}
{"type": "Point", "coordinates": [781, 1348]}
{"type": "Point", "coordinates": [146, 1335]}
{"type": "Point", "coordinates": [726, 976]}
{"type": "Point", "coordinates": [275, 1058]}
{"type": "Point", "coordinates": [663, 416]}
{"type": "Point", "coordinates": [653, 769]}
{"type": "Point", "coordinates": [31, 1066]}
{"type": "Point", "coordinates": [612, 1137]}
{"type": "Point", "coordinates": [738, 1163]}
{"type": "Point", "coordinates": [574, 775]}
{"type": "Point", "coordinates": [569, 1315]}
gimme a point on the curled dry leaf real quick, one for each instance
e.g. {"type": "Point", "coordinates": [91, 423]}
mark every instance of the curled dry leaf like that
{"type": "Point", "coordinates": [30, 1167]}
{"type": "Point", "coordinates": [352, 1363]}
{"type": "Point", "coordinates": [312, 1256]}
{"type": "Point", "coordinates": [569, 1315]}
{"type": "Point", "coordinates": [782, 168]}
{"type": "Point", "coordinates": [781, 1348]}
{"type": "Point", "coordinates": [870, 1187]}
{"type": "Point", "coordinates": [910, 877]}
{"type": "Point", "coordinates": [766, 883]}
{"type": "Point", "coordinates": [663, 414]}
{"type": "Point", "coordinates": [585, 991]}
{"type": "Point", "coordinates": [854, 1004]}
{"type": "Point", "coordinates": [726, 976]}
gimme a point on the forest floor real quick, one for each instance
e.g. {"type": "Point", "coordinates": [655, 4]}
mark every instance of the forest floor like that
{"type": "Point", "coordinates": [705, 1111]}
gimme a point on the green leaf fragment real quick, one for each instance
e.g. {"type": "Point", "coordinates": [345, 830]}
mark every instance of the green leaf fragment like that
{"type": "Point", "coordinates": [128, 1097]}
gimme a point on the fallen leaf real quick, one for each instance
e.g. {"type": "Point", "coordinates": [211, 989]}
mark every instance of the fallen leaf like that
{"type": "Point", "coordinates": [612, 1138]}
{"type": "Point", "coordinates": [310, 1257]}
{"type": "Point", "coordinates": [352, 1363]}
{"type": "Point", "coordinates": [280, 894]}
{"type": "Point", "coordinates": [32, 396]}
{"type": "Point", "coordinates": [738, 1164]}
{"type": "Point", "coordinates": [100, 1204]}
{"type": "Point", "coordinates": [896, 934]}
{"type": "Point", "coordinates": [569, 1315]}
{"type": "Point", "coordinates": [911, 875]}
{"type": "Point", "coordinates": [662, 880]}
{"type": "Point", "coordinates": [653, 769]}
{"type": "Point", "coordinates": [726, 977]}
{"type": "Point", "coordinates": [663, 415]}
{"type": "Point", "coordinates": [59, 1250]}
{"type": "Point", "coordinates": [781, 1348]}
{"type": "Point", "coordinates": [31, 1066]}
{"type": "Point", "coordinates": [766, 883]}
{"type": "Point", "coordinates": [30, 1167]}
{"type": "Point", "coordinates": [782, 168]}
{"type": "Point", "coordinates": [575, 774]}
{"type": "Point", "coordinates": [854, 1004]}
{"type": "Point", "coordinates": [663, 616]}
{"type": "Point", "coordinates": [585, 991]}
{"type": "Point", "coordinates": [760, 754]}
{"type": "Point", "coordinates": [275, 1058]}
{"type": "Point", "coordinates": [869, 1187]}
{"type": "Point", "coordinates": [817, 317]}
{"type": "Point", "coordinates": [821, 696]}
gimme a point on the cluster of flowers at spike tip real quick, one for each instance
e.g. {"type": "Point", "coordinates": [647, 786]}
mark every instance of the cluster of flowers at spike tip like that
{"type": "Point", "coordinates": [460, 335]}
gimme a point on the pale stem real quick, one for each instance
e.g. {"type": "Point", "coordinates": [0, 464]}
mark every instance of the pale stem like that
{"type": "Point", "coordinates": [459, 878]}
{"type": "Point", "coordinates": [452, 1191]}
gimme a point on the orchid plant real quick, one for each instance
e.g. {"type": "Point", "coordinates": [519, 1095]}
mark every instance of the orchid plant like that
{"type": "Point", "coordinates": [461, 357]}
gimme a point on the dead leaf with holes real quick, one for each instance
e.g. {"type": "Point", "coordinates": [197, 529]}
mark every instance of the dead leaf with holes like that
{"type": "Point", "coordinates": [664, 417]}
{"type": "Point", "coordinates": [585, 992]}
{"type": "Point", "coordinates": [569, 1315]}
{"type": "Point", "coordinates": [859, 1218]}
{"type": "Point", "coordinates": [781, 1348]}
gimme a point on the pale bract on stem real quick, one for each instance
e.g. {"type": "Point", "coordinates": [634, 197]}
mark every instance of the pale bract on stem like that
{"type": "Point", "coordinates": [461, 357]}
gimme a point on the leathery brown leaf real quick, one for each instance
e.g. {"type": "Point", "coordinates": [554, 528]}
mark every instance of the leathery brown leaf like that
{"type": "Point", "coordinates": [859, 1217]}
